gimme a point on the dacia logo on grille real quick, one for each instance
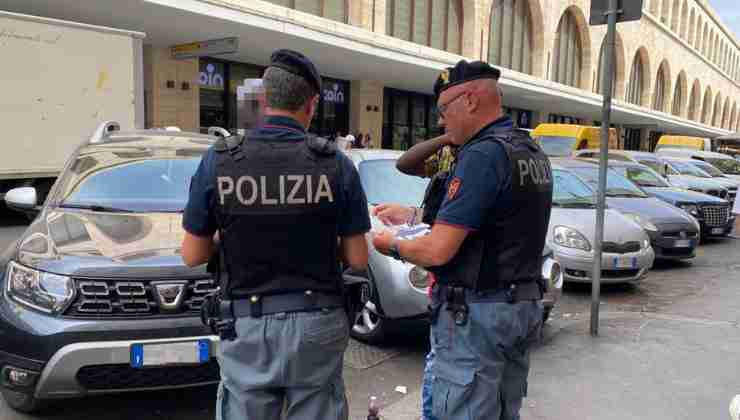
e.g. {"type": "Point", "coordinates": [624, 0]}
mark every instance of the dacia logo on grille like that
{"type": "Point", "coordinates": [169, 295]}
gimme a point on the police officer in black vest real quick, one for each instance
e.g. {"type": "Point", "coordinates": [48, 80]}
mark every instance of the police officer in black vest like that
{"type": "Point", "coordinates": [280, 202]}
{"type": "Point", "coordinates": [485, 251]}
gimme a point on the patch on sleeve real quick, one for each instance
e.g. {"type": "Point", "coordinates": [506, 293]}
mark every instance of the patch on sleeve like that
{"type": "Point", "coordinates": [453, 188]}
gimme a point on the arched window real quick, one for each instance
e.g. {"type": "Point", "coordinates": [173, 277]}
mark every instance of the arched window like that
{"type": "Point", "coordinates": [654, 4]}
{"type": "Point", "coordinates": [567, 57]}
{"type": "Point", "coordinates": [674, 15]}
{"type": "Point", "coordinates": [434, 23]}
{"type": "Point", "coordinates": [660, 88]}
{"type": "Point", "coordinates": [679, 95]}
{"type": "Point", "coordinates": [331, 9]}
{"type": "Point", "coordinates": [665, 12]}
{"type": "Point", "coordinates": [706, 106]}
{"type": "Point", "coordinates": [692, 29]}
{"type": "Point", "coordinates": [600, 79]}
{"type": "Point", "coordinates": [683, 30]}
{"type": "Point", "coordinates": [694, 99]}
{"type": "Point", "coordinates": [705, 40]}
{"type": "Point", "coordinates": [635, 86]}
{"type": "Point", "coordinates": [733, 115]}
{"type": "Point", "coordinates": [725, 113]}
{"type": "Point", "coordinates": [717, 109]}
{"type": "Point", "coordinates": [510, 36]}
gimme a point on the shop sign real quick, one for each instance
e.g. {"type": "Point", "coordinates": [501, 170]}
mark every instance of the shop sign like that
{"type": "Point", "coordinates": [335, 94]}
{"type": "Point", "coordinates": [205, 48]}
{"type": "Point", "coordinates": [211, 78]}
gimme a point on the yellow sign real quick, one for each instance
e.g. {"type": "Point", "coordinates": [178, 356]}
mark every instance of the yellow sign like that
{"type": "Point", "coordinates": [201, 48]}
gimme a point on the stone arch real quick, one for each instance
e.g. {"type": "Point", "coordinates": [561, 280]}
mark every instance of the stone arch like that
{"type": "Point", "coordinates": [654, 8]}
{"type": "Point", "coordinates": [717, 109]}
{"type": "Point", "coordinates": [619, 71]}
{"type": "Point", "coordinates": [583, 36]}
{"type": "Point", "coordinates": [725, 113]}
{"type": "Point", "coordinates": [680, 95]}
{"type": "Point", "coordinates": [706, 107]}
{"type": "Point", "coordinates": [705, 39]}
{"type": "Point", "coordinates": [662, 88]}
{"type": "Point", "coordinates": [691, 39]}
{"type": "Point", "coordinates": [733, 116]}
{"type": "Point", "coordinates": [683, 27]}
{"type": "Point", "coordinates": [536, 36]}
{"type": "Point", "coordinates": [674, 15]}
{"type": "Point", "coordinates": [641, 92]}
{"type": "Point", "coordinates": [694, 109]}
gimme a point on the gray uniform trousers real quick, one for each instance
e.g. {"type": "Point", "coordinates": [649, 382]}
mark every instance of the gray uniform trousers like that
{"type": "Point", "coordinates": [480, 368]}
{"type": "Point", "coordinates": [285, 365]}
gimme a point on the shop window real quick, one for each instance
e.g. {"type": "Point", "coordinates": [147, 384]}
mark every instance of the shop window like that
{"type": "Point", "coordinates": [212, 101]}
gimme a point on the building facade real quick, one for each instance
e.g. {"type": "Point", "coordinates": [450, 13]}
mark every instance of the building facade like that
{"type": "Point", "coordinates": [677, 70]}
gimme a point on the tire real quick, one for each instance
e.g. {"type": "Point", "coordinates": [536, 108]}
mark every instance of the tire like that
{"type": "Point", "coordinates": [22, 402]}
{"type": "Point", "coordinates": [365, 325]}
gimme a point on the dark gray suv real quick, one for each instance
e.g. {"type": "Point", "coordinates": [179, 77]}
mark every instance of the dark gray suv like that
{"type": "Point", "coordinates": [96, 298]}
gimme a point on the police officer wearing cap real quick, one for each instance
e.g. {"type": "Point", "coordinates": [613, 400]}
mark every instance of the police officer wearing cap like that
{"type": "Point", "coordinates": [485, 251]}
{"type": "Point", "coordinates": [280, 201]}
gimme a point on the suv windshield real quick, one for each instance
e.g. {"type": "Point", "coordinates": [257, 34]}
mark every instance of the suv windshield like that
{"type": "Point", "coordinates": [150, 185]}
{"type": "Point", "coordinates": [644, 177]}
{"type": "Point", "coordinates": [616, 184]}
{"type": "Point", "coordinates": [708, 168]}
{"type": "Point", "coordinates": [686, 168]}
{"type": "Point", "coordinates": [383, 183]}
{"type": "Point", "coordinates": [726, 166]}
{"type": "Point", "coordinates": [556, 146]}
{"type": "Point", "coordinates": [569, 191]}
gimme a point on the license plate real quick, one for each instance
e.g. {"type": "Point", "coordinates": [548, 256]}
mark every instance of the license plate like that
{"type": "Point", "coordinates": [717, 231]}
{"type": "Point", "coordinates": [625, 262]}
{"type": "Point", "coordinates": [180, 353]}
{"type": "Point", "coordinates": [683, 243]}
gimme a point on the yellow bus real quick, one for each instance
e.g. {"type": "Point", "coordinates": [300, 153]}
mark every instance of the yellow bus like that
{"type": "Point", "coordinates": [564, 139]}
{"type": "Point", "coordinates": [683, 142]}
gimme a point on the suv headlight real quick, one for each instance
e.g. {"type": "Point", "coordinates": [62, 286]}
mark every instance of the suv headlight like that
{"type": "Point", "coordinates": [691, 209]}
{"type": "Point", "coordinates": [570, 238]}
{"type": "Point", "coordinates": [46, 292]}
{"type": "Point", "coordinates": [419, 277]}
{"type": "Point", "coordinates": [644, 223]}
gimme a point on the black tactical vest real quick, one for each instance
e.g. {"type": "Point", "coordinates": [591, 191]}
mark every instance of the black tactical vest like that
{"type": "Point", "coordinates": [508, 247]}
{"type": "Point", "coordinates": [276, 204]}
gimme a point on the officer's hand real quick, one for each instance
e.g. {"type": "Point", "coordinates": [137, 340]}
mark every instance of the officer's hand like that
{"type": "Point", "coordinates": [382, 241]}
{"type": "Point", "coordinates": [392, 214]}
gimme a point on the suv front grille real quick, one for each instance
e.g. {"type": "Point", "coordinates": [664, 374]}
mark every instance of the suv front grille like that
{"type": "Point", "coordinates": [127, 298]}
{"type": "Point", "coordinates": [716, 215]}
{"type": "Point", "coordinates": [615, 248]}
{"type": "Point", "coordinates": [123, 376]}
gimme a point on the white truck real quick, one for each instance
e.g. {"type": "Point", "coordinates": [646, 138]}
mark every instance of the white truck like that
{"type": "Point", "coordinates": [59, 80]}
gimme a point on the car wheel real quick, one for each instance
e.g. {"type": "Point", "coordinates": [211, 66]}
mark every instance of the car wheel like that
{"type": "Point", "coordinates": [19, 401]}
{"type": "Point", "coordinates": [367, 325]}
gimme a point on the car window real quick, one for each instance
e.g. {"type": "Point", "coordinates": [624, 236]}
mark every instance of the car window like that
{"type": "Point", "coordinates": [686, 168]}
{"type": "Point", "coordinates": [726, 166]}
{"type": "Point", "coordinates": [645, 177]}
{"type": "Point", "coordinates": [569, 190]}
{"type": "Point", "coordinates": [708, 168]}
{"type": "Point", "coordinates": [141, 185]}
{"type": "Point", "coordinates": [556, 146]}
{"type": "Point", "coordinates": [616, 184]}
{"type": "Point", "coordinates": [383, 183]}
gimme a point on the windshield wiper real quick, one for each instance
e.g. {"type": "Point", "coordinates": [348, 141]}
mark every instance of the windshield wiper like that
{"type": "Point", "coordinates": [627, 195]}
{"type": "Point", "coordinates": [96, 207]}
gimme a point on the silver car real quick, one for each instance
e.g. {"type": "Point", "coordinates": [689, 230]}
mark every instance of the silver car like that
{"type": "Point", "coordinates": [392, 291]}
{"type": "Point", "coordinates": [627, 254]}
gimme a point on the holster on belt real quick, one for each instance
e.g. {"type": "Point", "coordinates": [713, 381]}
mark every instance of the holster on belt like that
{"type": "Point", "coordinates": [457, 304]}
{"type": "Point", "coordinates": [217, 312]}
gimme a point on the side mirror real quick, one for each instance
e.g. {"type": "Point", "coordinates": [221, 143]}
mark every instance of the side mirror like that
{"type": "Point", "coordinates": [22, 199]}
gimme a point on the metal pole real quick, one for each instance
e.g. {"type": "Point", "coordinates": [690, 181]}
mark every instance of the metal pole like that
{"type": "Point", "coordinates": [607, 79]}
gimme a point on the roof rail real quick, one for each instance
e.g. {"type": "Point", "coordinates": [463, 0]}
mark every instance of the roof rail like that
{"type": "Point", "coordinates": [218, 132]}
{"type": "Point", "coordinates": [103, 130]}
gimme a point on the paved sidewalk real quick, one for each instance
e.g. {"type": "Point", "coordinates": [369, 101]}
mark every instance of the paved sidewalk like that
{"type": "Point", "coordinates": [642, 366]}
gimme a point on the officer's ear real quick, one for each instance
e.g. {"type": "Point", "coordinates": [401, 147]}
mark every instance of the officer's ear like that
{"type": "Point", "coordinates": [312, 105]}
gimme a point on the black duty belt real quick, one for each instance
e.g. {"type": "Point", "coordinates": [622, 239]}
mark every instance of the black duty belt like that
{"type": "Point", "coordinates": [515, 293]}
{"type": "Point", "coordinates": [256, 306]}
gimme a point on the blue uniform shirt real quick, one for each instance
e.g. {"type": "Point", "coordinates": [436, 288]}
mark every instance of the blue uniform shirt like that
{"type": "Point", "coordinates": [200, 220]}
{"type": "Point", "coordinates": [481, 182]}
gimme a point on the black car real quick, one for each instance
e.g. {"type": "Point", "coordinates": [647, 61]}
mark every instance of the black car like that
{"type": "Point", "coordinates": [713, 213]}
{"type": "Point", "coordinates": [96, 296]}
